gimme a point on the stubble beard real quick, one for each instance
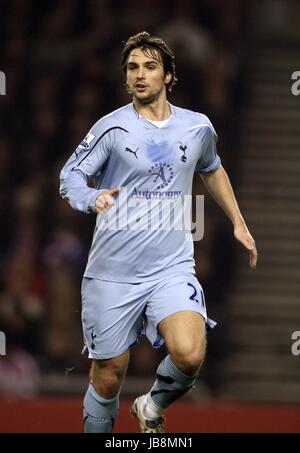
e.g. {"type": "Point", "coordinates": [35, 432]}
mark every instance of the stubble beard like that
{"type": "Point", "coordinates": [147, 100]}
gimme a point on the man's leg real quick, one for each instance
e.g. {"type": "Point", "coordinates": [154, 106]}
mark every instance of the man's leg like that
{"type": "Point", "coordinates": [184, 333]}
{"type": "Point", "coordinates": [101, 402]}
{"type": "Point", "coordinates": [185, 337]}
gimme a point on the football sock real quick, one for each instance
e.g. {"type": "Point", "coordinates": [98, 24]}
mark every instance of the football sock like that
{"type": "Point", "coordinates": [170, 384]}
{"type": "Point", "coordinates": [99, 414]}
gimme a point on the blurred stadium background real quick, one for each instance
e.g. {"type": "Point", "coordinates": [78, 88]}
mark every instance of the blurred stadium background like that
{"type": "Point", "coordinates": [234, 63]}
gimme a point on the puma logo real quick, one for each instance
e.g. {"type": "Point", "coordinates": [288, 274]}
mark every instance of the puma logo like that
{"type": "Point", "coordinates": [130, 151]}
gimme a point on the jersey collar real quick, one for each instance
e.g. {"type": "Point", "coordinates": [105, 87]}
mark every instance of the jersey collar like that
{"type": "Point", "coordinates": [138, 116]}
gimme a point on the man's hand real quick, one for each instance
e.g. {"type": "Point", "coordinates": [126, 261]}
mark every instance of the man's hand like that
{"type": "Point", "coordinates": [105, 200]}
{"type": "Point", "coordinates": [242, 235]}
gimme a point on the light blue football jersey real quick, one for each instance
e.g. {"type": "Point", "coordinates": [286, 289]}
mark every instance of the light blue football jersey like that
{"type": "Point", "coordinates": [152, 165]}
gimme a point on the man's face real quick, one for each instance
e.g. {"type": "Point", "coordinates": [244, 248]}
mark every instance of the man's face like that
{"type": "Point", "coordinates": [146, 79]}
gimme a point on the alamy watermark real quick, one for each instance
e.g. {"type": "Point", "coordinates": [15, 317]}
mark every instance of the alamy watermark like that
{"type": "Point", "coordinates": [154, 210]}
{"type": "Point", "coordinates": [295, 348]}
{"type": "Point", "coordinates": [295, 88]}
{"type": "Point", "coordinates": [2, 84]}
{"type": "Point", "coordinates": [2, 343]}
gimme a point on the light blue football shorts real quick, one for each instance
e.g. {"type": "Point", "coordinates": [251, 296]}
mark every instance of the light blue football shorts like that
{"type": "Point", "coordinates": [115, 315]}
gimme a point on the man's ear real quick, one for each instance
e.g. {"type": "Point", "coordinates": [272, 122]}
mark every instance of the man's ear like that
{"type": "Point", "coordinates": [168, 77]}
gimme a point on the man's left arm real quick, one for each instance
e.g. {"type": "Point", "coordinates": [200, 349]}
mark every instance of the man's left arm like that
{"type": "Point", "coordinates": [219, 186]}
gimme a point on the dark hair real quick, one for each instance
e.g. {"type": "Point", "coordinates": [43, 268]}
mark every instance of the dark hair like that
{"type": "Point", "coordinates": [151, 43]}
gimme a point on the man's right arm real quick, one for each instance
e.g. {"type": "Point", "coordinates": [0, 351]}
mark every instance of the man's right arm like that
{"type": "Point", "coordinates": [84, 164]}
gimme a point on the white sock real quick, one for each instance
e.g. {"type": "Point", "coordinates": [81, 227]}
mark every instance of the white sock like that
{"type": "Point", "coordinates": [150, 410]}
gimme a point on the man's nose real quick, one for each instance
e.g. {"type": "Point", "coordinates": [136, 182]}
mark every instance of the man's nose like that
{"type": "Point", "coordinates": [140, 73]}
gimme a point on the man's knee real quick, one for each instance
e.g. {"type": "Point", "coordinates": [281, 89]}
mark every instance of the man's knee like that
{"type": "Point", "coordinates": [189, 358]}
{"type": "Point", "coordinates": [107, 376]}
{"type": "Point", "coordinates": [107, 384]}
